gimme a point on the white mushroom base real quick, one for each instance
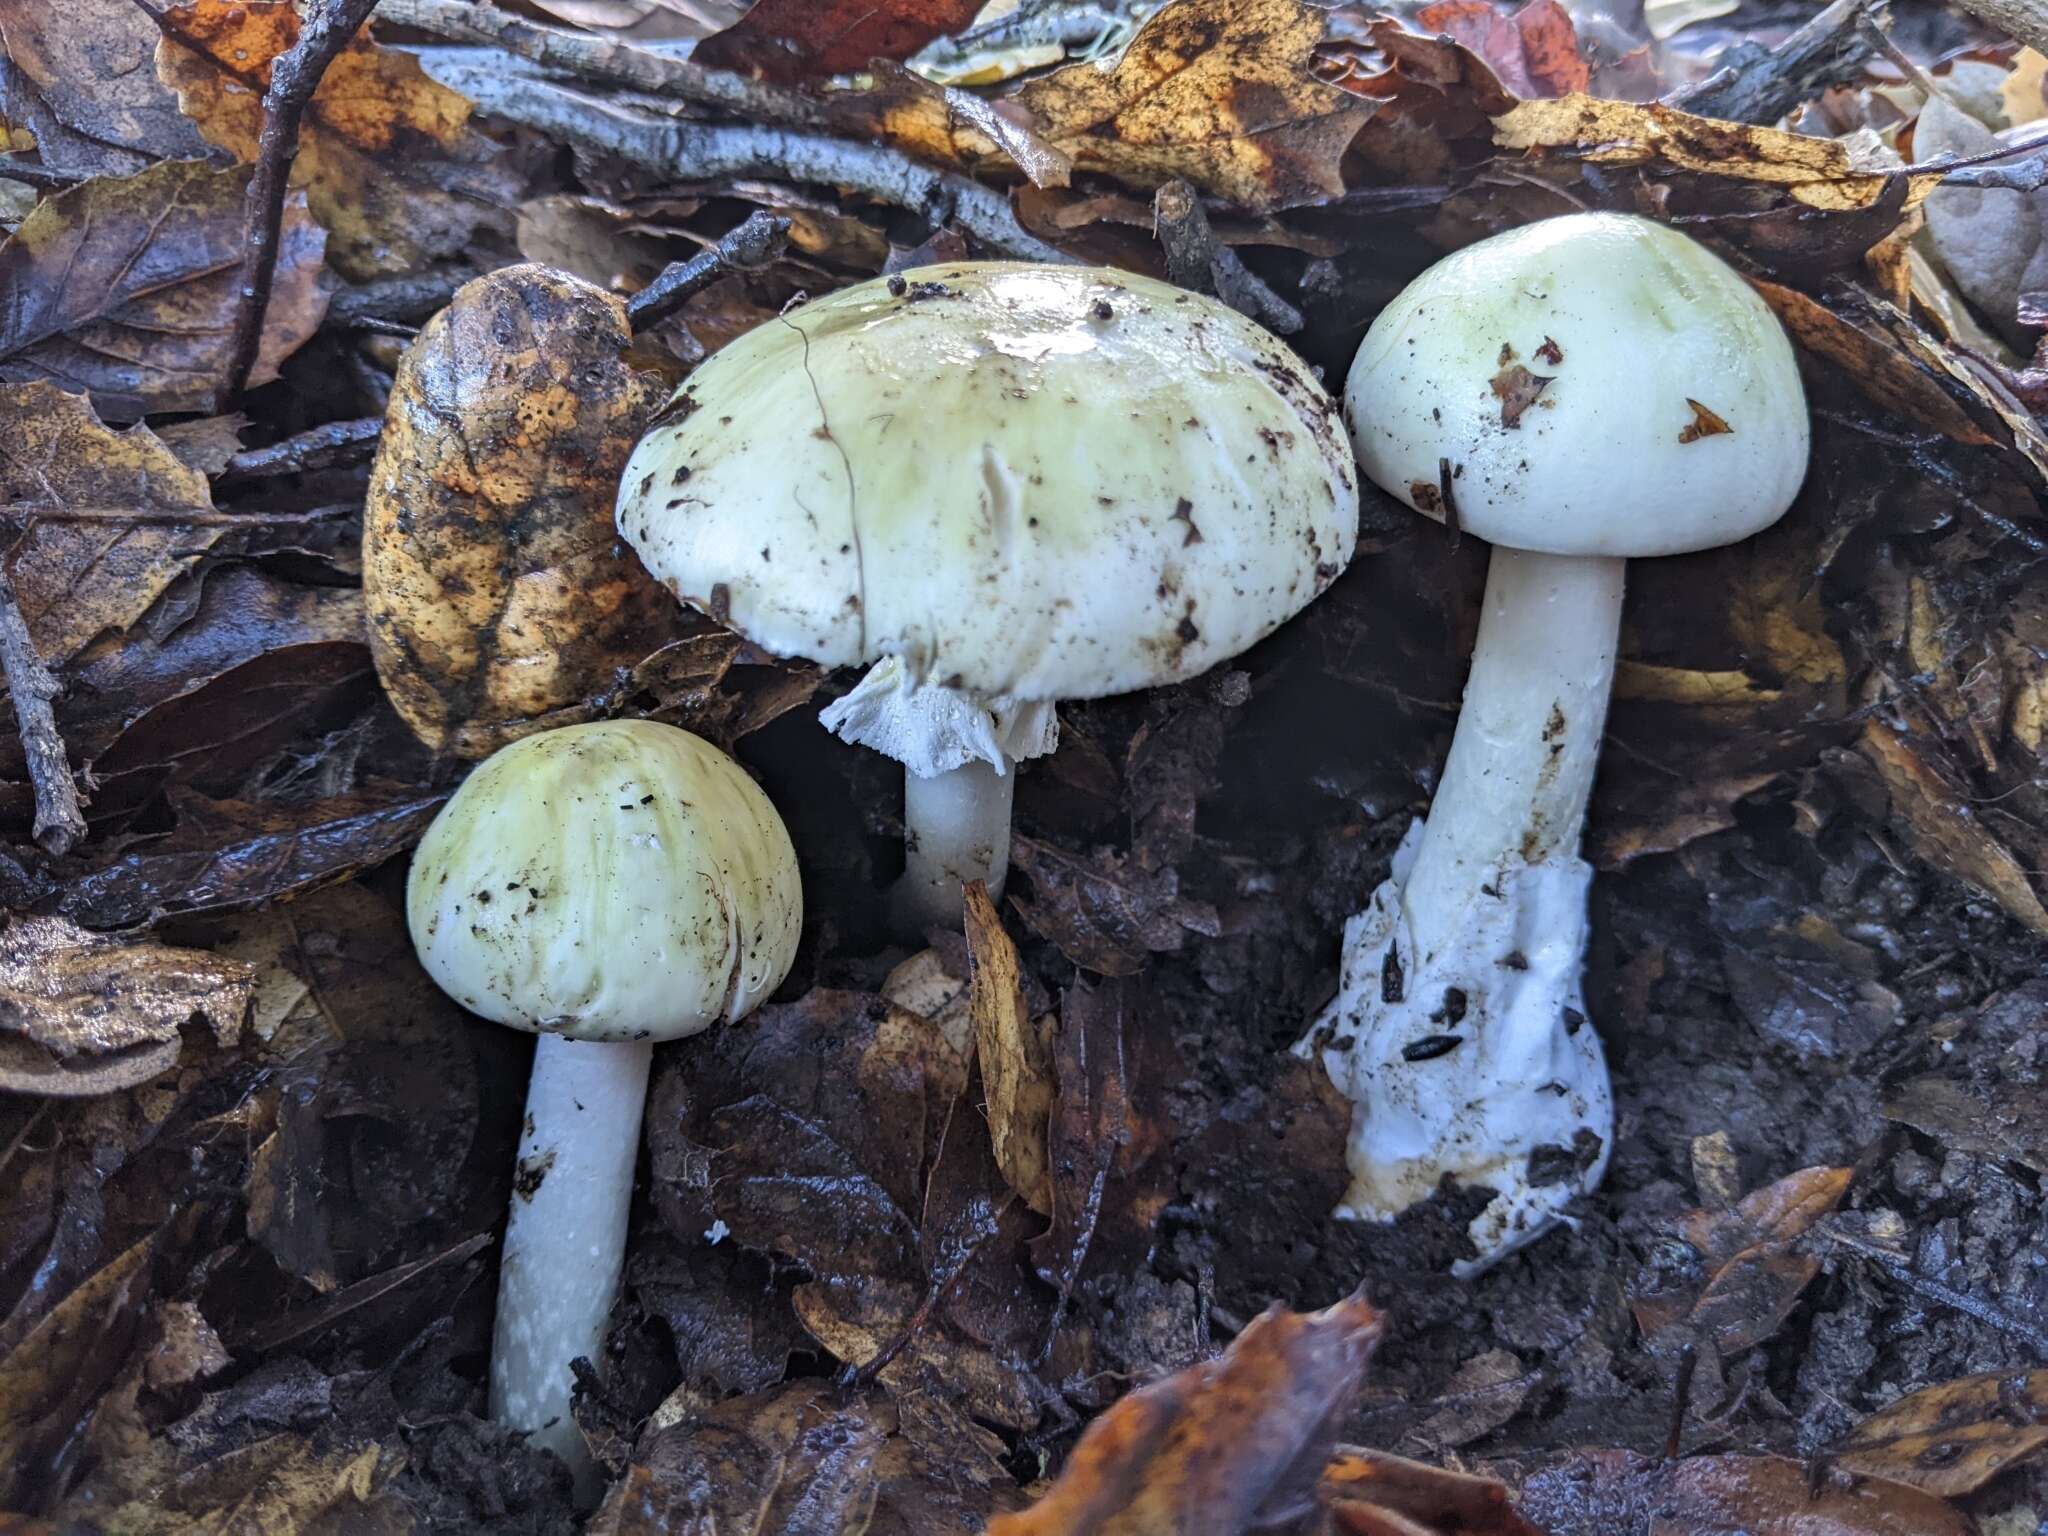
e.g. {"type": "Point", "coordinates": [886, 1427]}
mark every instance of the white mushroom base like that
{"type": "Point", "coordinates": [1520, 1103]}
{"type": "Point", "coordinates": [566, 1240]}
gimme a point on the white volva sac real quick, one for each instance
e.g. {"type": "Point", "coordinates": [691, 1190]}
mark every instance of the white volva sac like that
{"type": "Point", "coordinates": [1004, 484]}
{"type": "Point", "coordinates": [609, 886]}
{"type": "Point", "coordinates": [1590, 389]}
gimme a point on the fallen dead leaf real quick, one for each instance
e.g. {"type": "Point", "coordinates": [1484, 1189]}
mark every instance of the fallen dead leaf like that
{"type": "Point", "coordinates": [500, 599]}
{"type": "Point", "coordinates": [1222, 1446]}
{"type": "Point", "coordinates": [1705, 423]}
{"type": "Point", "coordinates": [85, 1014]}
{"type": "Point", "coordinates": [1215, 92]}
{"type": "Point", "coordinates": [788, 41]}
{"type": "Point", "coordinates": [387, 160]}
{"type": "Point", "coordinates": [126, 286]}
{"type": "Point", "coordinates": [1010, 1047]}
{"type": "Point", "coordinates": [1816, 172]}
{"type": "Point", "coordinates": [1373, 1494]}
{"type": "Point", "coordinates": [97, 106]}
{"type": "Point", "coordinates": [1534, 51]}
{"type": "Point", "coordinates": [1952, 1439]}
{"type": "Point", "coordinates": [1104, 912]}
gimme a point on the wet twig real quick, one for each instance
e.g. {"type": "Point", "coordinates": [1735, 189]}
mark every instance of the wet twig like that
{"type": "Point", "coordinates": [60, 824]}
{"type": "Point", "coordinates": [139, 517]}
{"type": "Point", "coordinates": [702, 152]}
{"type": "Point", "coordinates": [389, 300]}
{"type": "Point", "coordinates": [1976, 1307]}
{"type": "Point", "coordinates": [1197, 260]}
{"type": "Point", "coordinates": [754, 243]}
{"type": "Point", "coordinates": [1756, 84]}
{"type": "Point", "coordinates": [339, 442]}
{"type": "Point", "coordinates": [293, 78]}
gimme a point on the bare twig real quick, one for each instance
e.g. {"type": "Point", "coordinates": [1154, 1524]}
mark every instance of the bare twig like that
{"type": "Point", "coordinates": [2024, 21]}
{"type": "Point", "coordinates": [60, 824]}
{"type": "Point", "coordinates": [412, 297]}
{"type": "Point", "coordinates": [754, 243]}
{"type": "Point", "coordinates": [145, 517]}
{"type": "Point", "coordinates": [1760, 85]}
{"type": "Point", "coordinates": [603, 60]}
{"type": "Point", "coordinates": [1196, 259]}
{"type": "Point", "coordinates": [339, 442]}
{"type": "Point", "coordinates": [293, 78]}
{"type": "Point", "coordinates": [701, 152]}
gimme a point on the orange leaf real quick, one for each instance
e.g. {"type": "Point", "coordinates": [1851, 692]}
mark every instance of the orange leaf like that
{"type": "Point", "coordinates": [1535, 52]}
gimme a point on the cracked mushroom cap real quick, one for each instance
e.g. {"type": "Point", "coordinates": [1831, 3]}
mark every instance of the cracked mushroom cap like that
{"type": "Point", "coordinates": [1599, 385]}
{"type": "Point", "coordinates": [623, 880]}
{"type": "Point", "coordinates": [1045, 482]}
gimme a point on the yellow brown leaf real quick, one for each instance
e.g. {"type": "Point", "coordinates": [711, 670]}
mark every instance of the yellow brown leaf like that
{"type": "Point", "coordinates": [1016, 1065]}
{"type": "Point", "coordinates": [1954, 1438]}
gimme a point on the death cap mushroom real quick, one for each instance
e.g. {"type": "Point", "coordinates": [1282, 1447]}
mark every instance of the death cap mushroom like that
{"type": "Point", "coordinates": [998, 485]}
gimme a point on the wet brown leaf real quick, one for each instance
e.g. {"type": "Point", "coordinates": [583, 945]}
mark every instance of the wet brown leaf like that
{"type": "Point", "coordinates": [1816, 172]}
{"type": "Point", "coordinates": [1534, 51]}
{"type": "Point", "coordinates": [1755, 1269]}
{"type": "Point", "coordinates": [1215, 92]}
{"type": "Point", "coordinates": [83, 1014]}
{"type": "Point", "coordinates": [125, 286]}
{"type": "Point", "coordinates": [1220, 1446]}
{"type": "Point", "coordinates": [279, 1484]}
{"type": "Point", "coordinates": [1986, 1096]}
{"type": "Point", "coordinates": [1010, 1047]}
{"type": "Point", "coordinates": [387, 160]}
{"type": "Point", "coordinates": [788, 41]}
{"type": "Point", "coordinates": [1729, 1496]}
{"type": "Point", "coordinates": [1516, 388]}
{"type": "Point", "coordinates": [1938, 823]}
{"type": "Point", "coordinates": [1373, 1494]}
{"type": "Point", "coordinates": [1104, 912]}
{"type": "Point", "coordinates": [1952, 1439]}
{"type": "Point", "coordinates": [90, 96]}
{"type": "Point", "coordinates": [500, 599]}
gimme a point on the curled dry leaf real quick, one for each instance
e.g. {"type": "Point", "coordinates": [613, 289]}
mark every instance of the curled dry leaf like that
{"type": "Point", "coordinates": [1010, 1046]}
{"type": "Point", "coordinates": [93, 103]}
{"type": "Point", "coordinates": [1104, 911]}
{"type": "Point", "coordinates": [84, 1014]}
{"type": "Point", "coordinates": [125, 286]}
{"type": "Point", "coordinates": [1534, 52]}
{"type": "Point", "coordinates": [1952, 1439]}
{"type": "Point", "coordinates": [1214, 92]}
{"type": "Point", "coordinates": [387, 160]}
{"type": "Point", "coordinates": [1373, 1494]}
{"type": "Point", "coordinates": [78, 579]}
{"type": "Point", "coordinates": [1817, 172]}
{"type": "Point", "coordinates": [499, 597]}
{"type": "Point", "coordinates": [1220, 1446]}
{"type": "Point", "coordinates": [788, 41]}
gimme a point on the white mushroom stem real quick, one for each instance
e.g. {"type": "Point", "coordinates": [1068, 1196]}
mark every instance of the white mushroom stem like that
{"type": "Point", "coordinates": [956, 828]}
{"type": "Point", "coordinates": [565, 1243]}
{"type": "Point", "coordinates": [1459, 1030]}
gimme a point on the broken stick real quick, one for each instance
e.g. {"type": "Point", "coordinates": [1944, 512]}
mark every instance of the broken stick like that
{"type": "Point", "coordinates": [60, 824]}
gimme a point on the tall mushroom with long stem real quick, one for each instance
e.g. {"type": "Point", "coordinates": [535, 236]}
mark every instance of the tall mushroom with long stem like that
{"type": "Point", "coordinates": [996, 485]}
{"type": "Point", "coordinates": [1580, 392]}
{"type": "Point", "coordinates": [606, 886]}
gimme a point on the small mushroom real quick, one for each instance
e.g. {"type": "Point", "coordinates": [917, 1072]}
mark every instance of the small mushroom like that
{"type": "Point", "coordinates": [1579, 392]}
{"type": "Point", "coordinates": [997, 485]}
{"type": "Point", "coordinates": [606, 886]}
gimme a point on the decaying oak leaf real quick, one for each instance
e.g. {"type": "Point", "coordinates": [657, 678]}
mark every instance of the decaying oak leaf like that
{"type": "Point", "coordinates": [1729, 1496]}
{"type": "Point", "coordinates": [1534, 52]}
{"type": "Point", "coordinates": [789, 41]}
{"type": "Point", "coordinates": [1104, 911]}
{"type": "Point", "coordinates": [499, 598]}
{"type": "Point", "coordinates": [105, 510]}
{"type": "Point", "coordinates": [125, 286]}
{"type": "Point", "coordinates": [1010, 1046]}
{"type": "Point", "coordinates": [83, 1014]}
{"type": "Point", "coordinates": [89, 95]}
{"type": "Point", "coordinates": [1952, 1439]}
{"type": "Point", "coordinates": [1373, 1494]}
{"type": "Point", "coordinates": [387, 160]}
{"type": "Point", "coordinates": [1221, 1446]}
{"type": "Point", "coordinates": [1214, 92]}
{"type": "Point", "coordinates": [1817, 172]}
{"type": "Point", "coordinates": [1755, 1267]}
{"type": "Point", "coordinates": [1939, 824]}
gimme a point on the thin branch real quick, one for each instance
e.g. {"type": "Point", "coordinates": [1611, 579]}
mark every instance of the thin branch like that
{"type": "Point", "coordinates": [60, 824]}
{"type": "Point", "coordinates": [754, 243]}
{"type": "Point", "coordinates": [2024, 21]}
{"type": "Point", "coordinates": [293, 78]}
{"type": "Point", "coordinates": [1760, 85]}
{"type": "Point", "coordinates": [701, 152]}
{"type": "Point", "coordinates": [147, 517]}
{"type": "Point", "coordinates": [1197, 260]}
{"type": "Point", "coordinates": [339, 442]}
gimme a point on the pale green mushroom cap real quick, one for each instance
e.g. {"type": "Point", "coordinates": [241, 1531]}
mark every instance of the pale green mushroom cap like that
{"type": "Point", "coordinates": [622, 880]}
{"type": "Point", "coordinates": [1598, 384]}
{"type": "Point", "coordinates": [1034, 482]}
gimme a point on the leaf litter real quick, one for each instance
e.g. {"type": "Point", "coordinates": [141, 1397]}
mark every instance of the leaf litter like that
{"type": "Point", "coordinates": [1030, 1231]}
